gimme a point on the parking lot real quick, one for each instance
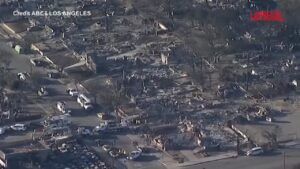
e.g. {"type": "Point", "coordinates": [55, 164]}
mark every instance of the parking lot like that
{"type": "Point", "coordinates": [72, 154]}
{"type": "Point", "coordinates": [149, 159]}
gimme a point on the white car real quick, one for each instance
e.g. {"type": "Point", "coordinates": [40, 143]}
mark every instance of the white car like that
{"type": "Point", "coordinates": [84, 102]}
{"type": "Point", "coordinates": [72, 92]}
{"type": "Point", "coordinates": [255, 151]}
{"type": "Point", "coordinates": [106, 147]}
{"type": "Point", "coordinates": [63, 148]}
{"type": "Point", "coordinates": [39, 62]}
{"type": "Point", "coordinates": [2, 130]}
{"type": "Point", "coordinates": [134, 155]}
{"type": "Point", "coordinates": [61, 106]}
{"type": "Point", "coordinates": [84, 131]}
{"type": "Point", "coordinates": [88, 106]}
{"type": "Point", "coordinates": [124, 123]}
{"type": "Point", "coordinates": [19, 127]}
{"type": "Point", "coordinates": [114, 154]}
{"type": "Point", "coordinates": [43, 91]}
{"type": "Point", "coordinates": [22, 76]}
{"type": "Point", "coordinates": [102, 127]}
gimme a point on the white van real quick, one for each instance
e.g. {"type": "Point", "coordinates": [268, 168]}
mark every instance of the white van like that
{"type": "Point", "coordinates": [255, 151]}
{"type": "Point", "coordinates": [84, 101]}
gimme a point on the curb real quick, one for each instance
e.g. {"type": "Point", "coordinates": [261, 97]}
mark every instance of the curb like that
{"type": "Point", "coordinates": [201, 162]}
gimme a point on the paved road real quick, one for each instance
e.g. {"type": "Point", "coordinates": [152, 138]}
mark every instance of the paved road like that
{"type": "Point", "coordinates": [21, 63]}
{"type": "Point", "coordinates": [262, 162]}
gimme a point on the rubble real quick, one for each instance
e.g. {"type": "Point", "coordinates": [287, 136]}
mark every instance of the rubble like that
{"type": "Point", "coordinates": [255, 112]}
{"type": "Point", "coordinates": [178, 84]}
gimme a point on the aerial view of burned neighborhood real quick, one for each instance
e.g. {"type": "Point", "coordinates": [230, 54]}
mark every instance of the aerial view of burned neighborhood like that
{"type": "Point", "coordinates": [149, 84]}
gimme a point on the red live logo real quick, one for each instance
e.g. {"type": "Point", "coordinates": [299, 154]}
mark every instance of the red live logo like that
{"type": "Point", "coordinates": [266, 15]}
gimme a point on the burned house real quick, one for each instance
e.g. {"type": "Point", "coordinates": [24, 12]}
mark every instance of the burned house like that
{"type": "Point", "coordinates": [55, 52]}
{"type": "Point", "coordinates": [13, 155]}
{"type": "Point", "coordinates": [96, 64]}
{"type": "Point", "coordinates": [132, 113]}
{"type": "Point", "coordinates": [166, 137]}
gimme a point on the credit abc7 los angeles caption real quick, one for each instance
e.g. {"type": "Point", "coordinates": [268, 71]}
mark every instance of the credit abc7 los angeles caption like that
{"type": "Point", "coordinates": [51, 13]}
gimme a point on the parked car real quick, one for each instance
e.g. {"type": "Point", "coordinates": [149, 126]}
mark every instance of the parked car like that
{"type": "Point", "coordinates": [106, 147]}
{"type": "Point", "coordinates": [114, 154]}
{"type": "Point", "coordinates": [144, 149]}
{"type": "Point", "coordinates": [54, 75]}
{"type": "Point", "coordinates": [100, 128]}
{"type": "Point", "coordinates": [88, 106]}
{"type": "Point", "coordinates": [2, 130]}
{"type": "Point", "coordinates": [43, 91]}
{"type": "Point", "coordinates": [84, 102]}
{"type": "Point", "coordinates": [19, 127]}
{"type": "Point", "coordinates": [255, 151]}
{"type": "Point", "coordinates": [39, 62]}
{"type": "Point", "coordinates": [269, 119]}
{"type": "Point", "coordinates": [23, 75]}
{"type": "Point", "coordinates": [134, 155]}
{"type": "Point", "coordinates": [84, 131]}
{"type": "Point", "coordinates": [104, 116]}
{"type": "Point", "coordinates": [61, 106]}
{"type": "Point", "coordinates": [63, 148]}
{"type": "Point", "coordinates": [72, 92]}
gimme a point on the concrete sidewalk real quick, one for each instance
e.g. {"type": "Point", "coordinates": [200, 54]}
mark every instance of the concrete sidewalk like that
{"type": "Point", "coordinates": [290, 144]}
{"type": "Point", "coordinates": [202, 160]}
{"type": "Point", "coordinates": [209, 159]}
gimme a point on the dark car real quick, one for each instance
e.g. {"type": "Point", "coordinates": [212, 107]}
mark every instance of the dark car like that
{"type": "Point", "coordinates": [39, 63]}
{"type": "Point", "coordinates": [54, 75]}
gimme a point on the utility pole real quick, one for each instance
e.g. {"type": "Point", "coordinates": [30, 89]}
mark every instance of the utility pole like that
{"type": "Point", "coordinates": [247, 75]}
{"type": "Point", "coordinates": [283, 160]}
{"type": "Point", "coordinates": [106, 16]}
{"type": "Point", "coordinates": [237, 145]}
{"type": "Point", "coordinates": [194, 63]}
{"type": "Point", "coordinates": [169, 7]}
{"type": "Point", "coordinates": [201, 65]}
{"type": "Point", "coordinates": [31, 69]}
{"type": "Point", "coordinates": [209, 78]}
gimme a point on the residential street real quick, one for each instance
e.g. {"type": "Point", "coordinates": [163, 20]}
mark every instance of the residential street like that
{"type": "Point", "coordinates": [21, 63]}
